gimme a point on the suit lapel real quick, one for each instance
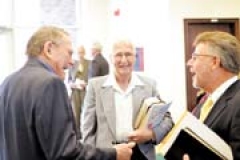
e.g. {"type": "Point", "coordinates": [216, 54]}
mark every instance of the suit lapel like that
{"type": "Point", "coordinates": [139, 93]}
{"type": "Point", "coordinates": [216, 110]}
{"type": "Point", "coordinates": [221, 103]}
{"type": "Point", "coordinates": [107, 99]}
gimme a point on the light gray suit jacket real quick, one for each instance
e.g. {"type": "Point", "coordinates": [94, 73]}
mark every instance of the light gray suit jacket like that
{"type": "Point", "coordinates": [99, 116]}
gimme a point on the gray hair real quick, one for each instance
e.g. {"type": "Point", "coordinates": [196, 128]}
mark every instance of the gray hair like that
{"type": "Point", "coordinates": [123, 42]}
{"type": "Point", "coordinates": [223, 45]}
{"type": "Point", "coordinates": [97, 46]}
{"type": "Point", "coordinates": [41, 36]}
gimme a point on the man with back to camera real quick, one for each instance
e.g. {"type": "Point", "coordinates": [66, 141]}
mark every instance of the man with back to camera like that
{"type": "Point", "coordinates": [99, 65]}
{"type": "Point", "coordinates": [36, 118]}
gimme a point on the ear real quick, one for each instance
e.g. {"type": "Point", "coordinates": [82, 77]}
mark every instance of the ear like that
{"type": "Point", "coordinates": [47, 49]}
{"type": "Point", "coordinates": [217, 62]}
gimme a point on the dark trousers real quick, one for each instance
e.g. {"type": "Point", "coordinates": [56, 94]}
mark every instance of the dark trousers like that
{"type": "Point", "coordinates": [137, 154]}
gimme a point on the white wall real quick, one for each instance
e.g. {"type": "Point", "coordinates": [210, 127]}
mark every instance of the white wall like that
{"type": "Point", "coordinates": [155, 25]}
{"type": "Point", "coordinates": [5, 38]}
{"type": "Point", "coordinates": [158, 27]}
{"type": "Point", "coordinates": [6, 64]}
{"type": "Point", "coordinates": [94, 21]}
{"type": "Point", "coordinates": [180, 9]}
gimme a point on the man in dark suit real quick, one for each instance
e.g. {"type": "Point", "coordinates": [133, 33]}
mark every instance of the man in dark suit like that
{"type": "Point", "coordinates": [99, 65]}
{"type": "Point", "coordinates": [215, 65]}
{"type": "Point", "coordinates": [36, 118]}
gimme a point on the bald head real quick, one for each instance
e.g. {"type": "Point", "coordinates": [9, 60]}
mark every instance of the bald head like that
{"type": "Point", "coordinates": [96, 48]}
{"type": "Point", "coordinates": [81, 52]}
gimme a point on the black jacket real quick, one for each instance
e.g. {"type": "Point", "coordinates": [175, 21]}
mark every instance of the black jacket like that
{"type": "Point", "coordinates": [98, 67]}
{"type": "Point", "coordinates": [224, 118]}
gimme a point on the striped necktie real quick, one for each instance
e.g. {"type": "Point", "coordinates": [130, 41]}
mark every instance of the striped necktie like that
{"type": "Point", "coordinates": [207, 106]}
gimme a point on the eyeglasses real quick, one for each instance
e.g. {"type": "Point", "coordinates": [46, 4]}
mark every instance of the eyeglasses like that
{"type": "Point", "coordinates": [195, 55]}
{"type": "Point", "coordinates": [127, 55]}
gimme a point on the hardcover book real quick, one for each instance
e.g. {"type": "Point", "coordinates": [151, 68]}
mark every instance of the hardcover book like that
{"type": "Point", "coordinates": [190, 136]}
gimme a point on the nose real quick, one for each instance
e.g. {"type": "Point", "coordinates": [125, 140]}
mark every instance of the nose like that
{"type": "Point", "coordinates": [124, 58]}
{"type": "Point", "coordinates": [70, 63]}
{"type": "Point", "coordinates": [189, 62]}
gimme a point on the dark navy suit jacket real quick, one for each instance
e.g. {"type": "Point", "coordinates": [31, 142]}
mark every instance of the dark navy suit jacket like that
{"type": "Point", "coordinates": [36, 119]}
{"type": "Point", "coordinates": [98, 67]}
{"type": "Point", "coordinates": [224, 118]}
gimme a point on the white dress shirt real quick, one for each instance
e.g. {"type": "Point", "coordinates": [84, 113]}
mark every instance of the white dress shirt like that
{"type": "Point", "coordinates": [124, 105]}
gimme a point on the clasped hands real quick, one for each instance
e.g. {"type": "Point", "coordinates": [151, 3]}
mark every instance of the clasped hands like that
{"type": "Point", "coordinates": [137, 136]}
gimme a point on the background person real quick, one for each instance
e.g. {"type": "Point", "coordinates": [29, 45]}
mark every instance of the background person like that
{"type": "Point", "coordinates": [99, 65]}
{"type": "Point", "coordinates": [78, 74]}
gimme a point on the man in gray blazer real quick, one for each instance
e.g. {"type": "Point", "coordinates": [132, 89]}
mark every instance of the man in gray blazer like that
{"type": "Point", "coordinates": [112, 103]}
{"type": "Point", "coordinates": [36, 118]}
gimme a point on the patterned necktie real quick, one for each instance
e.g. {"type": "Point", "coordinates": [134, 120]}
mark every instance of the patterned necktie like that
{"type": "Point", "coordinates": [207, 106]}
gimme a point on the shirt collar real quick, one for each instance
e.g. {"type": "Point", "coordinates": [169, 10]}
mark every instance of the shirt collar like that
{"type": "Point", "coordinates": [47, 66]}
{"type": "Point", "coordinates": [111, 81]}
{"type": "Point", "coordinates": [222, 88]}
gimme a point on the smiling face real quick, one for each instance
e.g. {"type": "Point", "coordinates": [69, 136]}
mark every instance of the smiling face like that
{"type": "Point", "coordinates": [58, 54]}
{"type": "Point", "coordinates": [123, 58]}
{"type": "Point", "coordinates": [53, 46]}
{"type": "Point", "coordinates": [201, 65]}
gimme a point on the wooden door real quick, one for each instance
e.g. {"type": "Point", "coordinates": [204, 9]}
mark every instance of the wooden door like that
{"type": "Point", "coordinates": [192, 27]}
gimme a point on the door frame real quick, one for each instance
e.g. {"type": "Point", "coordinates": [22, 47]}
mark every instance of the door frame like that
{"type": "Point", "coordinates": [191, 97]}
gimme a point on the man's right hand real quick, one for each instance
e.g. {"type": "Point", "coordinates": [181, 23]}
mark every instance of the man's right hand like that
{"type": "Point", "coordinates": [186, 157]}
{"type": "Point", "coordinates": [124, 151]}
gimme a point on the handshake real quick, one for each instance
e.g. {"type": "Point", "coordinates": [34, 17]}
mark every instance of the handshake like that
{"type": "Point", "coordinates": [124, 150]}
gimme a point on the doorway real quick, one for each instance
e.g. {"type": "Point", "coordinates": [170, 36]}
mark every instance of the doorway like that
{"type": "Point", "coordinates": [192, 27]}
